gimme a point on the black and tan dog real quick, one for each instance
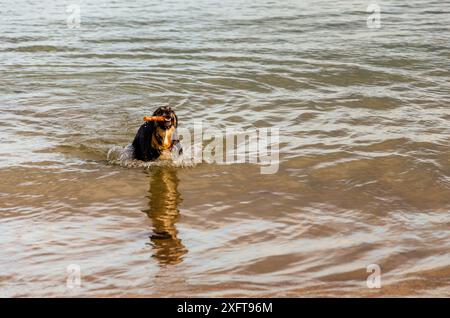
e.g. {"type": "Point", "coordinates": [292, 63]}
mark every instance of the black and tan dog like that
{"type": "Point", "coordinates": [158, 140]}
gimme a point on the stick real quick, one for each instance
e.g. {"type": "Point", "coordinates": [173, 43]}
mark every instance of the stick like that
{"type": "Point", "coordinates": [154, 118]}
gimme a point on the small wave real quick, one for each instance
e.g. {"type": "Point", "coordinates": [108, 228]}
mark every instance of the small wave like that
{"type": "Point", "coordinates": [38, 48]}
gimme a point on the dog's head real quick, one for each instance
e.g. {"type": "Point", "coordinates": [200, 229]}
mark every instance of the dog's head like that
{"type": "Point", "coordinates": [171, 120]}
{"type": "Point", "coordinates": [164, 135]}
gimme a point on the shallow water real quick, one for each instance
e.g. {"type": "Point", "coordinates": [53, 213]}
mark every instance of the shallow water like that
{"type": "Point", "coordinates": [364, 175]}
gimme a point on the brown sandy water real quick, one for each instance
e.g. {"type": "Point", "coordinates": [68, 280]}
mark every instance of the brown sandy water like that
{"type": "Point", "coordinates": [364, 175]}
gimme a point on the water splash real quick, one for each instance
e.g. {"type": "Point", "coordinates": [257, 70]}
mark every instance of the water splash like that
{"type": "Point", "coordinates": [123, 156]}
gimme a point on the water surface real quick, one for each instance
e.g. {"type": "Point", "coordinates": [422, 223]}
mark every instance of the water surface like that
{"type": "Point", "coordinates": [364, 174]}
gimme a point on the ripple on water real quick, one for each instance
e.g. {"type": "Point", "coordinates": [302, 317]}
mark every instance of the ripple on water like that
{"type": "Point", "coordinates": [364, 172]}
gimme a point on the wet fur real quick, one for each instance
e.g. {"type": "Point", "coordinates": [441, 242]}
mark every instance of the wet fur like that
{"type": "Point", "coordinates": [153, 138]}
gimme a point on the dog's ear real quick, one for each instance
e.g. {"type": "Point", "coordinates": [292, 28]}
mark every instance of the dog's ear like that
{"type": "Point", "coordinates": [158, 111]}
{"type": "Point", "coordinates": [176, 119]}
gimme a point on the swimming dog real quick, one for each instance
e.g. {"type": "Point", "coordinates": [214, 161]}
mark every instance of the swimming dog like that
{"type": "Point", "coordinates": [158, 139]}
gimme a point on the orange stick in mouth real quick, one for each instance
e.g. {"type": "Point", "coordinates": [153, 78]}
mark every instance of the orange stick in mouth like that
{"type": "Point", "coordinates": [154, 118]}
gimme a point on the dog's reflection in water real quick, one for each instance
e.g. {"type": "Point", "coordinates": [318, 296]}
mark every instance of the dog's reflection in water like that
{"type": "Point", "coordinates": [164, 213]}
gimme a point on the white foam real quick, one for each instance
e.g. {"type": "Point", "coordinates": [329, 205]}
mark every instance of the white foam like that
{"type": "Point", "coordinates": [123, 156]}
